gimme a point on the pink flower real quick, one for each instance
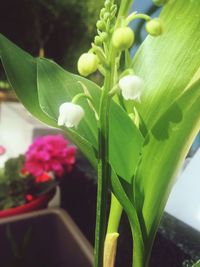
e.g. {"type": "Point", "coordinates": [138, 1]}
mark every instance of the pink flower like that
{"type": "Point", "coordinates": [29, 197]}
{"type": "Point", "coordinates": [2, 150]}
{"type": "Point", "coordinates": [45, 177]}
{"type": "Point", "coordinates": [51, 153]}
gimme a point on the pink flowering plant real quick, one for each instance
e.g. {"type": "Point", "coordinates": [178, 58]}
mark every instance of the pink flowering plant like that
{"type": "Point", "coordinates": [135, 129]}
{"type": "Point", "coordinates": [50, 154]}
{"type": "Point", "coordinates": [36, 172]}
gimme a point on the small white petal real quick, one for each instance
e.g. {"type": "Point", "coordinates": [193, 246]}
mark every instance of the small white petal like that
{"type": "Point", "coordinates": [131, 87]}
{"type": "Point", "coordinates": [70, 114]}
{"type": "Point", "coordinates": [61, 120]}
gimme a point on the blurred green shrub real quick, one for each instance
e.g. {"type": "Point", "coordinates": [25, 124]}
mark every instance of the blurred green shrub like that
{"type": "Point", "coordinates": [64, 28]}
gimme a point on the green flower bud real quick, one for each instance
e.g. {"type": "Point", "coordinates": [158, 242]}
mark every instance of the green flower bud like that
{"type": "Point", "coordinates": [87, 64]}
{"type": "Point", "coordinates": [123, 38]}
{"type": "Point", "coordinates": [160, 2]}
{"type": "Point", "coordinates": [106, 15]}
{"type": "Point", "coordinates": [107, 4]}
{"type": "Point", "coordinates": [98, 41]}
{"type": "Point", "coordinates": [154, 27]}
{"type": "Point", "coordinates": [113, 8]}
{"type": "Point", "coordinates": [103, 10]}
{"type": "Point", "coordinates": [100, 25]}
{"type": "Point", "coordinates": [104, 36]}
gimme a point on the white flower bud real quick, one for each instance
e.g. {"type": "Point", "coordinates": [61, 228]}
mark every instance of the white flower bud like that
{"type": "Point", "coordinates": [131, 87]}
{"type": "Point", "coordinates": [87, 64]}
{"type": "Point", "coordinates": [70, 114]}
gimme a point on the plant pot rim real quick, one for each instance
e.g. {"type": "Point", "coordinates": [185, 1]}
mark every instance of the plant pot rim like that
{"type": "Point", "coordinates": [37, 203]}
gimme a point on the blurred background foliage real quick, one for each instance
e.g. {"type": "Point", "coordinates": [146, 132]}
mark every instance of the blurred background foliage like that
{"type": "Point", "coordinates": [64, 28]}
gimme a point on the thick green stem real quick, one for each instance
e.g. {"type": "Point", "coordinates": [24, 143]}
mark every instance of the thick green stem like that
{"type": "Point", "coordinates": [138, 250]}
{"type": "Point", "coordinates": [114, 216]}
{"type": "Point", "coordinates": [101, 216]}
{"type": "Point", "coordinates": [125, 7]}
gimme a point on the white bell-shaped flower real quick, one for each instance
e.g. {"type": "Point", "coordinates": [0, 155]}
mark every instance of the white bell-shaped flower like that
{"type": "Point", "coordinates": [70, 114]}
{"type": "Point", "coordinates": [131, 87]}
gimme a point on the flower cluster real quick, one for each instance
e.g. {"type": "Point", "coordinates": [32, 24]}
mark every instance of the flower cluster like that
{"type": "Point", "coordinates": [121, 38]}
{"type": "Point", "coordinates": [37, 172]}
{"type": "Point", "coordinates": [50, 153]}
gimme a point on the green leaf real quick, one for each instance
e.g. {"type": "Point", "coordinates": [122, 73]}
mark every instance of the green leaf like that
{"type": "Point", "coordinates": [167, 63]}
{"type": "Point", "coordinates": [56, 86]}
{"type": "Point", "coordinates": [63, 86]}
{"type": "Point", "coordinates": [169, 107]}
{"type": "Point", "coordinates": [164, 150]}
{"type": "Point", "coordinates": [20, 68]}
{"type": "Point", "coordinates": [42, 86]}
{"type": "Point", "coordinates": [21, 71]}
{"type": "Point", "coordinates": [125, 143]}
{"type": "Point", "coordinates": [197, 264]}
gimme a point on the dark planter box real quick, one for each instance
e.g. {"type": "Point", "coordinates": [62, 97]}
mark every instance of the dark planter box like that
{"type": "Point", "coordinates": [176, 244]}
{"type": "Point", "coordinates": [47, 238]}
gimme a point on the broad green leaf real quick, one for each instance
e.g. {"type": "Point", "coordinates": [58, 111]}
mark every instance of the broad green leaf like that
{"type": "Point", "coordinates": [42, 86]}
{"type": "Point", "coordinates": [20, 68]}
{"type": "Point", "coordinates": [125, 143]}
{"type": "Point", "coordinates": [167, 63]}
{"type": "Point", "coordinates": [56, 86]}
{"type": "Point", "coordinates": [63, 86]}
{"type": "Point", "coordinates": [21, 71]}
{"type": "Point", "coordinates": [164, 150]}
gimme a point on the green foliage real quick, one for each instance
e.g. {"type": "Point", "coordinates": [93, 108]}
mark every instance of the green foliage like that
{"type": "Point", "coordinates": [197, 264]}
{"type": "Point", "coordinates": [169, 107]}
{"type": "Point", "coordinates": [13, 167]}
{"type": "Point", "coordinates": [65, 28]}
{"type": "Point", "coordinates": [12, 185]}
{"type": "Point", "coordinates": [45, 106]}
{"type": "Point", "coordinates": [145, 161]}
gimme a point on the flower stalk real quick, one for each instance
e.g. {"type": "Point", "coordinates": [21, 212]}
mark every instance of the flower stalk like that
{"type": "Point", "coordinates": [114, 216]}
{"type": "Point", "coordinates": [104, 170]}
{"type": "Point", "coordinates": [103, 164]}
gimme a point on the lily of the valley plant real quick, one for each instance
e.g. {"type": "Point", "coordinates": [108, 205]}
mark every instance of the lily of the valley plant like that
{"type": "Point", "coordinates": [137, 129]}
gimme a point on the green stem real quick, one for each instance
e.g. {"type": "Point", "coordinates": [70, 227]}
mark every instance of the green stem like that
{"type": "Point", "coordinates": [138, 249]}
{"type": "Point", "coordinates": [103, 163]}
{"type": "Point", "coordinates": [77, 97]}
{"type": "Point", "coordinates": [114, 216]}
{"type": "Point", "coordinates": [103, 176]}
{"type": "Point", "coordinates": [125, 7]}
{"type": "Point", "coordinates": [103, 141]}
{"type": "Point", "coordinates": [110, 245]}
{"type": "Point", "coordinates": [134, 16]}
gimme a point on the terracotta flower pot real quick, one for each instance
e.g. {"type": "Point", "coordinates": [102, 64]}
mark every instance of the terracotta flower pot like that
{"type": "Point", "coordinates": [36, 204]}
